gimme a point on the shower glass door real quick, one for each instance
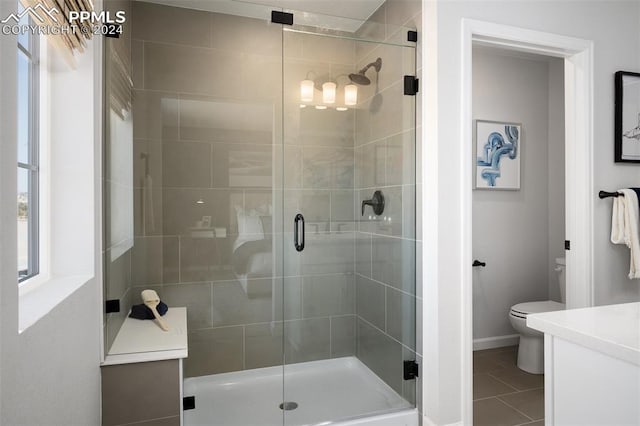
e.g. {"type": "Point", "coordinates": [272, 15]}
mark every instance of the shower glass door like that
{"type": "Point", "coordinates": [348, 223]}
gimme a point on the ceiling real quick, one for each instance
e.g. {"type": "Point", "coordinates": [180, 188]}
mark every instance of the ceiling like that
{"type": "Point", "coordinates": [344, 15]}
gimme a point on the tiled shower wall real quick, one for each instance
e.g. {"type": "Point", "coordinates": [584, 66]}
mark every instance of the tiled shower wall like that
{"type": "Point", "coordinates": [387, 293]}
{"type": "Point", "coordinates": [117, 183]}
{"type": "Point", "coordinates": [207, 151]}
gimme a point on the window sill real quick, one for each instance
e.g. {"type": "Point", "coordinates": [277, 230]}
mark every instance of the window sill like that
{"type": "Point", "coordinates": [41, 299]}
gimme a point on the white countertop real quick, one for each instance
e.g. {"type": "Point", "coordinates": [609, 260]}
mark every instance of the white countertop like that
{"type": "Point", "coordinates": [613, 330]}
{"type": "Point", "coordinates": [144, 340]}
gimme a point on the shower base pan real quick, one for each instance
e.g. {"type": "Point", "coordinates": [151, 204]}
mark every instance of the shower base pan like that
{"type": "Point", "coordinates": [341, 391]}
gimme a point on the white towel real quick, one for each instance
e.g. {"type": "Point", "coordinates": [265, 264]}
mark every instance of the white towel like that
{"type": "Point", "coordinates": [624, 227]}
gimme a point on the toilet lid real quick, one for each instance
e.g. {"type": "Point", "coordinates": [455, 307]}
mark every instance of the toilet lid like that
{"type": "Point", "coordinates": [536, 307]}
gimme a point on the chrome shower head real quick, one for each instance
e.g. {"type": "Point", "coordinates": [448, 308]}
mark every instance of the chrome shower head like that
{"type": "Point", "coordinates": [360, 77]}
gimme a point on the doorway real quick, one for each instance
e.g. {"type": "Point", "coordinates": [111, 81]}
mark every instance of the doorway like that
{"type": "Point", "coordinates": [578, 70]}
{"type": "Point", "coordinates": [518, 225]}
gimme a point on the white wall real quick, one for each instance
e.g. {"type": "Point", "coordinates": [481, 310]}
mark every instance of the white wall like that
{"type": "Point", "coordinates": [49, 374]}
{"type": "Point", "coordinates": [613, 27]}
{"type": "Point", "coordinates": [511, 228]}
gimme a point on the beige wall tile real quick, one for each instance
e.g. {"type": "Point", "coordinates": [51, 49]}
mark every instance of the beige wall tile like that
{"type": "Point", "coordinates": [205, 259]}
{"type": "Point", "coordinates": [327, 49]}
{"type": "Point", "coordinates": [241, 34]}
{"type": "Point", "coordinates": [343, 336]}
{"type": "Point", "coordinates": [137, 63]}
{"type": "Point", "coordinates": [370, 303]}
{"type": "Point", "coordinates": [401, 159]}
{"type": "Point", "coordinates": [394, 262]}
{"type": "Point", "coordinates": [291, 166]}
{"type": "Point", "coordinates": [118, 275]}
{"type": "Point", "coordinates": [186, 164]}
{"type": "Point", "coordinates": [232, 305]}
{"type": "Point", "coordinates": [327, 127]}
{"type": "Point", "coordinates": [401, 317]}
{"type": "Point", "coordinates": [342, 211]}
{"type": "Point", "coordinates": [400, 11]}
{"type": "Point", "coordinates": [212, 351]}
{"type": "Point", "coordinates": [288, 305]}
{"type": "Point", "coordinates": [242, 165]}
{"type": "Point", "coordinates": [363, 254]}
{"type": "Point", "coordinates": [328, 295]}
{"type": "Point", "coordinates": [374, 28]}
{"type": "Point", "coordinates": [183, 208]}
{"type": "Point", "coordinates": [381, 354]}
{"type": "Point", "coordinates": [176, 25]}
{"type": "Point", "coordinates": [147, 265]}
{"type": "Point", "coordinates": [211, 118]}
{"type": "Point", "coordinates": [195, 297]}
{"type": "Point", "coordinates": [155, 114]}
{"type": "Point", "coordinates": [327, 167]}
{"type": "Point", "coordinates": [306, 340]}
{"type": "Point", "coordinates": [371, 165]}
{"type": "Point", "coordinates": [263, 345]}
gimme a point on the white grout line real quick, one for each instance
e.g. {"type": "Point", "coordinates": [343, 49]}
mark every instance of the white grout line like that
{"type": "Point", "coordinates": [514, 408]}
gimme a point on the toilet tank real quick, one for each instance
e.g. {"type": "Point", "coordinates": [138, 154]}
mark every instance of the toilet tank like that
{"type": "Point", "coordinates": [561, 269]}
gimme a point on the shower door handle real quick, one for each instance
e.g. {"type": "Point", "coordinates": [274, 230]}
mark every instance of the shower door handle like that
{"type": "Point", "coordinates": [297, 241]}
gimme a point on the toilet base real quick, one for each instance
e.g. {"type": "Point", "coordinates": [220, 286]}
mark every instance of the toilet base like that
{"type": "Point", "coordinates": [531, 354]}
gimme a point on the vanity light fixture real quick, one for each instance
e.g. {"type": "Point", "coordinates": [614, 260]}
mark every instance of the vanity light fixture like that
{"type": "Point", "coordinates": [350, 94]}
{"type": "Point", "coordinates": [306, 90]}
{"type": "Point", "coordinates": [329, 92]}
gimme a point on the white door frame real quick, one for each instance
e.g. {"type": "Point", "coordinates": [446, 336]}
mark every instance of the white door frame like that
{"type": "Point", "coordinates": [578, 74]}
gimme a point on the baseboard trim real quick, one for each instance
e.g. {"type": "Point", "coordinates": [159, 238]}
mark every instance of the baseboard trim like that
{"type": "Point", "coordinates": [426, 421]}
{"type": "Point", "coordinates": [495, 342]}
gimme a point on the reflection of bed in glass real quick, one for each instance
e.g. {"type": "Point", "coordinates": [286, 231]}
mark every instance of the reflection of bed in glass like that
{"type": "Point", "coordinates": [252, 249]}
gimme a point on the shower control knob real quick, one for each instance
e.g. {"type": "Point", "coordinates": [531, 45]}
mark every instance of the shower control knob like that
{"type": "Point", "coordinates": [478, 263]}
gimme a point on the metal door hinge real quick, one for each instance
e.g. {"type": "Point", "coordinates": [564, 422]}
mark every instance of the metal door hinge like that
{"type": "Point", "coordinates": [278, 17]}
{"type": "Point", "coordinates": [188, 402]}
{"type": "Point", "coordinates": [411, 370]}
{"type": "Point", "coordinates": [411, 85]}
{"type": "Point", "coordinates": [111, 306]}
{"type": "Point", "coordinates": [412, 36]}
{"type": "Point", "coordinates": [567, 245]}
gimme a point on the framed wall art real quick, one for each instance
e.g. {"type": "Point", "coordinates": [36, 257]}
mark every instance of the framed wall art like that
{"type": "Point", "coordinates": [627, 121]}
{"type": "Point", "coordinates": [497, 155]}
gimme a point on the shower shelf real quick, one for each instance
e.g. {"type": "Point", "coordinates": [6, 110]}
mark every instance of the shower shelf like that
{"type": "Point", "coordinates": [143, 340]}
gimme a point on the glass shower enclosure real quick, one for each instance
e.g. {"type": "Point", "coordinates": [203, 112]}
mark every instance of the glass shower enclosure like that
{"type": "Point", "coordinates": [264, 177]}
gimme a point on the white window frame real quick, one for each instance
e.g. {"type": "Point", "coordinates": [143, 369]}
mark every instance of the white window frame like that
{"type": "Point", "coordinates": [32, 53]}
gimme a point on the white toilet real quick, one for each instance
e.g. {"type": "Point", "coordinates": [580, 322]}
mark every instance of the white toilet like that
{"type": "Point", "coordinates": [531, 349]}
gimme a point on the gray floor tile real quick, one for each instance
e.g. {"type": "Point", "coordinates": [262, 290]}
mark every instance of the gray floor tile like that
{"type": "Point", "coordinates": [519, 379]}
{"type": "Point", "coordinates": [530, 402]}
{"type": "Point", "coordinates": [485, 386]}
{"type": "Point", "coordinates": [493, 412]}
{"type": "Point", "coordinates": [486, 364]}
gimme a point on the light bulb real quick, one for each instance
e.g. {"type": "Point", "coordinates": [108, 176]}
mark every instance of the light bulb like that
{"type": "Point", "coordinates": [329, 92]}
{"type": "Point", "coordinates": [306, 91]}
{"type": "Point", "coordinates": [321, 107]}
{"type": "Point", "coordinates": [341, 108]}
{"type": "Point", "coordinates": [350, 94]}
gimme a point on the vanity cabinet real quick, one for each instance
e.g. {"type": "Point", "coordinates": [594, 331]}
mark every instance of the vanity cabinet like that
{"type": "Point", "coordinates": [142, 373]}
{"type": "Point", "coordinates": [592, 365]}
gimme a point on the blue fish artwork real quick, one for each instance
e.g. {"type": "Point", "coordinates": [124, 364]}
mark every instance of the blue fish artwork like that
{"type": "Point", "coordinates": [495, 150]}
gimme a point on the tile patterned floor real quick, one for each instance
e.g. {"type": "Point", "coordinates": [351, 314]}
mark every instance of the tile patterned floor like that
{"type": "Point", "coordinates": [504, 395]}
